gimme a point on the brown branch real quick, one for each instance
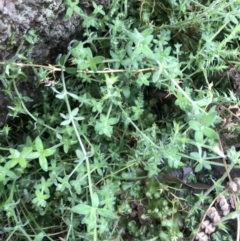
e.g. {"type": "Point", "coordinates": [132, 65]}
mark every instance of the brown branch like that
{"type": "Point", "coordinates": [107, 70]}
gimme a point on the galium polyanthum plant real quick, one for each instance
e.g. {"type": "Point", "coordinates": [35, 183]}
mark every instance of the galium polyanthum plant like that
{"type": "Point", "coordinates": [88, 156]}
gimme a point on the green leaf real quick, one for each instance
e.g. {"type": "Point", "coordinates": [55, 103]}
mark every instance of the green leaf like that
{"type": "Point", "coordinates": [106, 213]}
{"type": "Point", "coordinates": [203, 102]}
{"type": "Point", "coordinates": [233, 19]}
{"type": "Point", "coordinates": [113, 121]}
{"type": "Point", "coordinates": [32, 155]}
{"type": "Point", "coordinates": [76, 97]}
{"type": "Point", "coordinates": [60, 96]}
{"type": "Point", "coordinates": [95, 200]}
{"type": "Point", "coordinates": [26, 151]}
{"type": "Point", "coordinates": [147, 32]}
{"type": "Point", "coordinates": [207, 166]}
{"type": "Point", "coordinates": [22, 162]}
{"type": "Point", "coordinates": [77, 10]}
{"type": "Point", "coordinates": [208, 119]}
{"type": "Point", "coordinates": [199, 167]}
{"type": "Point", "coordinates": [43, 163]}
{"type": "Point", "coordinates": [71, 70]}
{"type": "Point", "coordinates": [156, 75]}
{"type": "Point", "coordinates": [69, 13]}
{"type": "Point", "coordinates": [48, 152]}
{"type": "Point", "coordinates": [4, 171]}
{"type": "Point", "coordinates": [210, 133]}
{"type": "Point", "coordinates": [195, 125]}
{"type": "Point", "coordinates": [81, 209]}
{"type": "Point", "coordinates": [38, 144]}
{"type": "Point", "coordinates": [39, 237]}
{"type": "Point", "coordinates": [14, 153]}
{"type": "Point", "coordinates": [147, 52]}
{"type": "Point", "coordinates": [79, 118]}
{"type": "Point", "coordinates": [65, 122]}
{"type": "Point", "coordinates": [195, 155]}
{"type": "Point", "coordinates": [107, 131]}
{"type": "Point", "coordinates": [12, 163]}
{"type": "Point", "coordinates": [75, 112]}
{"type": "Point", "coordinates": [80, 154]}
{"type": "Point", "coordinates": [98, 8]}
{"type": "Point", "coordinates": [10, 174]}
{"type": "Point", "coordinates": [143, 79]}
{"type": "Point", "coordinates": [126, 91]}
{"type": "Point", "coordinates": [199, 137]}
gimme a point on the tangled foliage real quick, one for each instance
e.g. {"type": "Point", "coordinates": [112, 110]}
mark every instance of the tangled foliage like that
{"type": "Point", "coordinates": [139, 97]}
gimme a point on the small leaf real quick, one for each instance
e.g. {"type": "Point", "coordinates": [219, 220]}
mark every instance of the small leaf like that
{"type": "Point", "coordinates": [64, 116]}
{"type": "Point", "coordinates": [156, 75]}
{"type": "Point", "coordinates": [195, 155]}
{"type": "Point", "coordinates": [113, 121]}
{"type": "Point", "coordinates": [12, 163]}
{"type": "Point", "coordinates": [95, 200]}
{"type": "Point", "coordinates": [39, 144]}
{"type": "Point", "coordinates": [8, 172]}
{"type": "Point", "coordinates": [82, 209]}
{"type": "Point", "coordinates": [207, 166]}
{"type": "Point", "coordinates": [71, 70]}
{"type": "Point", "coordinates": [32, 155]}
{"type": "Point", "coordinates": [39, 237]}
{"type": "Point", "coordinates": [22, 162]}
{"type": "Point", "coordinates": [195, 125]}
{"type": "Point", "coordinates": [210, 133]}
{"type": "Point", "coordinates": [199, 167]}
{"type": "Point", "coordinates": [73, 96]}
{"type": "Point", "coordinates": [26, 150]}
{"type": "Point", "coordinates": [147, 32]}
{"type": "Point", "coordinates": [60, 96]}
{"type": "Point", "coordinates": [43, 163]}
{"type": "Point", "coordinates": [14, 153]}
{"type": "Point", "coordinates": [147, 52]}
{"type": "Point", "coordinates": [126, 91]}
{"type": "Point", "coordinates": [107, 131]}
{"type": "Point", "coordinates": [75, 112]}
{"type": "Point", "coordinates": [80, 154]}
{"type": "Point", "coordinates": [48, 152]}
{"type": "Point", "coordinates": [198, 137]}
{"type": "Point", "coordinates": [106, 213]}
{"type": "Point", "coordinates": [234, 19]}
{"type": "Point", "coordinates": [65, 122]}
{"type": "Point", "coordinates": [69, 13]}
{"type": "Point", "coordinates": [79, 118]}
{"type": "Point", "coordinates": [203, 102]}
{"type": "Point", "coordinates": [208, 119]}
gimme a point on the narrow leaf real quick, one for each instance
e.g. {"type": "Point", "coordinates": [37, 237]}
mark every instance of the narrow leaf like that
{"type": "Point", "coordinates": [82, 209]}
{"type": "Point", "coordinates": [39, 144]}
{"type": "Point", "coordinates": [208, 119]}
{"type": "Point", "coordinates": [210, 133]}
{"type": "Point", "coordinates": [48, 152]}
{"type": "Point", "coordinates": [39, 237]}
{"type": "Point", "coordinates": [113, 121]}
{"type": "Point", "coordinates": [22, 162]}
{"type": "Point", "coordinates": [65, 123]}
{"type": "Point", "coordinates": [71, 70]}
{"type": "Point", "coordinates": [43, 163]}
{"type": "Point", "coordinates": [95, 200]}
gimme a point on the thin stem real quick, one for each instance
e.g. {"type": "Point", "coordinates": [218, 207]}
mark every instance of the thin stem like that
{"type": "Point", "coordinates": [78, 136]}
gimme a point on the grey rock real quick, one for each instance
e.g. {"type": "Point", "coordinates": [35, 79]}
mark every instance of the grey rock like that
{"type": "Point", "coordinates": [53, 29]}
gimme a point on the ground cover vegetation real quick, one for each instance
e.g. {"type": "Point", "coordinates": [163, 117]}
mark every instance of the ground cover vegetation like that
{"type": "Point", "coordinates": [136, 130]}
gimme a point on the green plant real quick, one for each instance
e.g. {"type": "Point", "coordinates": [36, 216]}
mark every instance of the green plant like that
{"type": "Point", "coordinates": [89, 157]}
